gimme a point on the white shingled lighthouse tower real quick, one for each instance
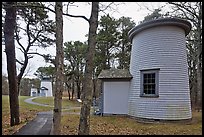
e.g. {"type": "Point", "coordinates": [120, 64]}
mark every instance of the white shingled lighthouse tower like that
{"type": "Point", "coordinates": [159, 88]}
{"type": "Point", "coordinates": [46, 87]}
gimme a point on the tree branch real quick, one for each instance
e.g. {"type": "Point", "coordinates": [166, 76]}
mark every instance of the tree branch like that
{"type": "Point", "coordinates": [36, 37]}
{"type": "Point", "coordinates": [183, 6]}
{"type": "Point", "coordinates": [106, 7]}
{"type": "Point", "coordinates": [19, 62]}
{"type": "Point", "coordinates": [29, 38]}
{"type": "Point", "coordinates": [46, 57]}
{"type": "Point", "coordinates": [18, 41]}
{"type": "Point", "coordinates": [42, 55]}
{"type": "Point", "coordinates": [37, 6]}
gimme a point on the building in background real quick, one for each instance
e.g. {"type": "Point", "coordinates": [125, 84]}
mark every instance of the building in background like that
{"type": "Point", "coordinates": [33, 91]}
{"type": "Point", "coordinates": [46, 87]}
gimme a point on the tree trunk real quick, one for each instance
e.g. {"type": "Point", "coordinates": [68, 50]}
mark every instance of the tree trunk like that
{"type": "Point", "coordinates": [84, 123]}
{"type": "Point", "coordinates": [94, 88]}
{"type": "Point", "coordinates": [78, 89]}
{"type": "Point", "coordinates": [199, 85]}
{"type": "Point", "coordinates": [22, 70]}
{"type": "Point", "coordinates": [199, 58]}
{"type": "Point", "coordinates": [73, 85]}
{"type": "Point", "coordinates": [60, 69]}
{"type": "Point", "coordinates": [194, 87]}
{"type": "Point", "coordinates": [10, 24]}
{"type": "Point", "coordinates": [68, 90]}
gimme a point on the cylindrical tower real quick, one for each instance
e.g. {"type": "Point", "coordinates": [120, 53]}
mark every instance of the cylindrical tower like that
{"type": "Point", "coordinates": [46, 87]}
{"type": "Point", "coordinates": [159, 88]}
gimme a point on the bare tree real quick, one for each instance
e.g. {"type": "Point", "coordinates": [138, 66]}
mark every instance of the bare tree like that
{"type": "Point", "coordinates": [84, 124]}
{"type": "Point", "coordinates": [10, 24]}
{"type": "Point", "coordinates": [59, 69]}
{"type": "Point", "coordinates": [192, 11]}
{"type": "Point", "coordinates": [38, 31]}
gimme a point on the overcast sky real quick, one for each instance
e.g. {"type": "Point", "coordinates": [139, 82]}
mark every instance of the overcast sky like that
{"type": "Point", "coordinates": [75, 29]}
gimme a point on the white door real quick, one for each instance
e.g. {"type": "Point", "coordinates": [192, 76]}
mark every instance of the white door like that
{"type": "Point", "coordinates": [115, 97]}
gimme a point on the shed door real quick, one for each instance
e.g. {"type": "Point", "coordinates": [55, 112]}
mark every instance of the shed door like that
{"type": "Point", "coordinates": [115, 97]}
{"type": "Point", "coordinates": [34, 94]}
{"type": "Point", "coordinates": [43, 92]}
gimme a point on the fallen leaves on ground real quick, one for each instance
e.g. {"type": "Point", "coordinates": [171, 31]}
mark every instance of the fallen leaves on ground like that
{"type": "Point", "coordinates": [121, 125]}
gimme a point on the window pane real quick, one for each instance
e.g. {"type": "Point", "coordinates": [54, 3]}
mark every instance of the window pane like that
{"type": "Point", "coordinates": [145, 87]}
{"type": "Point", "coordinates": [153, 86]}
{"type": "Point", "coordinates": [145, 91]}
{"type": "Point", "coordinates": [149, 80]}
{"type": "Point", "coordinates": [149, 87]}
{"type": "Point", "coordinates": [153, 75]}
{"type": "Point", "coordinates": [153, 80]}
{"type": "Point", "coordinates": [149, 76]}
{"type": "Point", "coordinates": [145, 81]}
{"type": "Point", "coordinates": [153, 91]}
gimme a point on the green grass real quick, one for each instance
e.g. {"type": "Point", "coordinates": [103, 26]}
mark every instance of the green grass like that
{"type": "Point", "coordinates": [23, 105]}
{"type": "Point", "coordinates": [66, 103]}
{"type": "Point", "coordinates": [71, 110]}
{"type": "Point", "coordinates": [44, 100]}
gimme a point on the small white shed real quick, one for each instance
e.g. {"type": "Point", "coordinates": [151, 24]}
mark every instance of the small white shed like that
{"type": "Point", "coordinates": [115, 88]}
{"type": "Point", "coordinates": [34, 92]}
{"type": "Point", "coordinates": [46, 87]}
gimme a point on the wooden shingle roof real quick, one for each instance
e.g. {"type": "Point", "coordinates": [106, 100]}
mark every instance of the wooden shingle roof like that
{"type": "Point", "coordinates": [115, 74]}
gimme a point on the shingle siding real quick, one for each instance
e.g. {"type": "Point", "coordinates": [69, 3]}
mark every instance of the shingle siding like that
{"type": "Point", "coordinates": [160, 47]}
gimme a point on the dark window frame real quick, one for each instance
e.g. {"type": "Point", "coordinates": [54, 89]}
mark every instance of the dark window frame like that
{"type": "Point", "coordinates": [146, 72]}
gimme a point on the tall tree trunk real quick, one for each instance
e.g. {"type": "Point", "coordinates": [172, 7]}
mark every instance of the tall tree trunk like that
{"type": "Point", "coordinates": [194, 86]}
{"type": "Point", "coordinates": [199, 75]}
{"type": "Point", "coordinates": [73, 85]}
{"type": "Point", "coordinates": [60, 69]}
{"type": "Point", "coordinates": [199, 57]}
{"type": "Point", "coordinates": [84, 123]}
{"type": "Point", "coordinates": [199, 85]}
{"type": "Point", "coordinates": [68, 90]}
{"type": "Point", "coordinates": [10, 24]}
{"type": "Point", "coordinates": [78, 84]}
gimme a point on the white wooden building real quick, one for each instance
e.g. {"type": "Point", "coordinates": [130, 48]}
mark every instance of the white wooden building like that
{"type": "Point", "coordinates": [159, 88]}
{"type": "Point", "coordinates": [46, 87]}
{"type": "Point", "coordinates": [115, 87]}
{"type": "Point", "coordinates": [33, 92]}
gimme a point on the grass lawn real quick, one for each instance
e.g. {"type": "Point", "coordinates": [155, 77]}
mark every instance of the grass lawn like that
{"type": "Point", "coordinates": [66, 103]}
{"type": "Point", "coordinates": [106, 125]}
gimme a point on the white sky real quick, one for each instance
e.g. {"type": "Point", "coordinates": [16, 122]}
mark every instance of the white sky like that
{"type": "Point", "coordinates": [75, 29]}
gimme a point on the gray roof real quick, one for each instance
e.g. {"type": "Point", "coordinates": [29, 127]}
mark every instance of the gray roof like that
{"type": "Point", "coordinates": [186, 25]}
{"type": "Point", "coordinates": [44, 88]}
{"type": "Point", "coordinates": [115, 74]}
